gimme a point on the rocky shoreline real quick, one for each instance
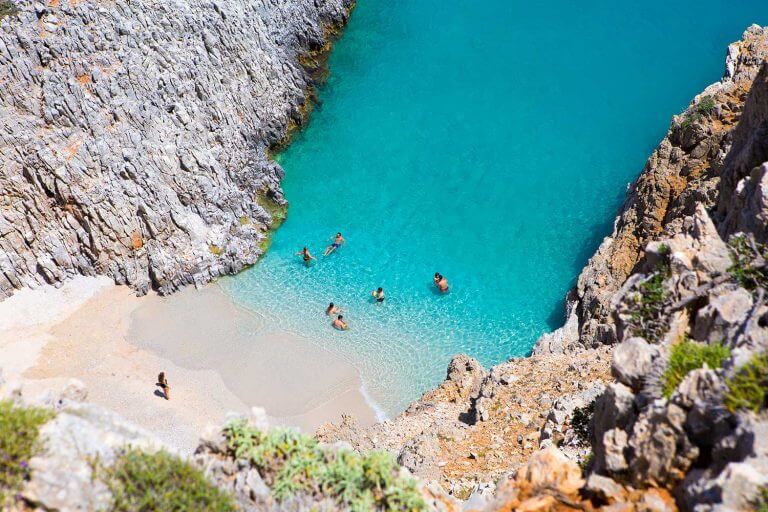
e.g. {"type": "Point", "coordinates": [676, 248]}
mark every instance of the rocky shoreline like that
{"type": "Point", "coordinates": [135, 137]}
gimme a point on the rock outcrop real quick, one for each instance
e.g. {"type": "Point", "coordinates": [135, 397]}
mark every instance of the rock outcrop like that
{"type": "Point", "coordinates": [134, 135]}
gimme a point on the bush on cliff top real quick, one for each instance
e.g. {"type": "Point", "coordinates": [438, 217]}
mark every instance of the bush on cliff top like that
{"type": "Point", "coordinates": [748, 388]}
{"type": "Point", "coordinates": [161, 482]}
{"type": "Point", "coordinates": [291, 462]}
{"type": "Point", "coordinates": [687, 356]}
{"type": "Point", "coordinates": [19, 441]}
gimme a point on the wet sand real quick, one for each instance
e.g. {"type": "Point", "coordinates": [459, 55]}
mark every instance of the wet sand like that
{"type": "Point", "coordinates": [218, 358]}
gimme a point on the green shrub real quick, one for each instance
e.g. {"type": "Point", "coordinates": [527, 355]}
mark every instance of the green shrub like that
{"type": "Point", "coordinates": [647, 319]}
{"type": "Point", "coordinates": [687, 356]}
{"type": "Point", "coordinates": [160, 481]}
{"type": "Point", "coordinates": [292, 462]}
{"type": "Point", "coordinates": [19, 441]}
{"type": "Point", "coordinates": [705, 106]}
{"type": "Point", "coordinates": [748, 388]}
{"type": "Point", "coordinates": [581, 422]}
{"type": "Point", "coordinates": [747, 257]}
{"type": "Point", "coordinates": [586, 463]}
{"type": "Point", "coordinates": [7, 8]}
{"type": "Point", "coordinates": [761, 504]}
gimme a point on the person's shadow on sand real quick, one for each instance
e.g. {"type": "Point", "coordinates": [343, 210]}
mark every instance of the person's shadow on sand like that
{"type": "Point", "coordinates": [159, 393]}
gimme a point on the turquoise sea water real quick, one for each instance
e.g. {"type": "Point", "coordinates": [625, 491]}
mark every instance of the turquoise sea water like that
{"type": "Point", "coordinates": [491, 142]}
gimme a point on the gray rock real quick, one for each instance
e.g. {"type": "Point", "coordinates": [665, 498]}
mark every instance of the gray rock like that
{"type": "Point", "coordinates": [632, 361]}
{"type": "Point", "coordinates": [722, 318]}
{"type": "Point", "coordinates": [662, 452]}
{"type": "Point", "coordinates": [134, 135]}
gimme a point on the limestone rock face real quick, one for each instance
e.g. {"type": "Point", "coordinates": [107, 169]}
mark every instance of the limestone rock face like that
{"type": "Point", "coordinates": [134, 134]}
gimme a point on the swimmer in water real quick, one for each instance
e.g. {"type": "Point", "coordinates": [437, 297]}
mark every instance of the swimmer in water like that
{"type": "Point", "coordinates": [340, 324]}
{"type": "Point", "coordinates": [441, 282]}
{"type": "Point", "coordinates": [332, 310]}
{"type": "Point", "coordinates": [378, 295]}
{"type": "Point", "coordinates": [337, 242]}
{"type": "Point", "coordinates": [306, 256]}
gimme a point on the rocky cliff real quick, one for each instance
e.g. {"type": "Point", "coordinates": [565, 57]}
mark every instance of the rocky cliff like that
{"type": "Point", "coordinates": [134, 135]}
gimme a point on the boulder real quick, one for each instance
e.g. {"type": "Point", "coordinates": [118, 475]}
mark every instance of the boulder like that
{"type": "Point", "coordinates": [631, 362]}
{"type": "Point", "coordinates": [661, 450]}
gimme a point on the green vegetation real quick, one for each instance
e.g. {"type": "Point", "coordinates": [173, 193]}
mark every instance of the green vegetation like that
{"type": "Point", "coordinates": [586, 463]}
{"type": "Point", "coordinates": [277, 211]}
{"type": "Point", "coordinates": [748, 259]}
{"type": "Point", "coordinates": [215, 250]}
{"type": "Point", "coordinates": [646, 319]}
{"type": "Point", "coordinates": [161, 482]}
{"type": "Point", "coordinates": [687, 356]}
{"type": "Point", "coordinates": [7, 8]}
{"type": "Point", "coordinates": [291, 463]}
{"type": "Point", "coordinates": [748, 388]}
{"type": "Point", "coordinates": [761, 505]}
{"type": "Point", "coordinates": [704, 107]}
{"type": "Point", "coordinates": [19, 441]}
{"type": "Point", "coordinates": [582, 421]}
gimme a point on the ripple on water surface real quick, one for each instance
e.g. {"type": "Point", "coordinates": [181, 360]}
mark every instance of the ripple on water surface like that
{"type": "Point", "coordinates": [490, 144]}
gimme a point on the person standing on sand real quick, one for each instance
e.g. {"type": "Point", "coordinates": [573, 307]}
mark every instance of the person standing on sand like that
{"type": "Point", "coordinates": [163, 383]}
{"type": "Point", "coordinates": [378, 295]}
{"type": "Point", "coordinates": [332, 310]}
{"type": "Point", "coordinates": [306, 256]}
{"type": "Point", "coordinates": [337, 242]}
{"type": "Point", "coordinates": [441, 282]}
{"type": "Point", "coordinates": [340, 324]}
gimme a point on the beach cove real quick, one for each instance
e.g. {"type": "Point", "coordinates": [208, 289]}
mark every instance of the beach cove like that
{"type": "Point", "coordinates": [454, 174]}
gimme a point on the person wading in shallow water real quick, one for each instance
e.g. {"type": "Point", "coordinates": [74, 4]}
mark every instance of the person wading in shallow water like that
{"type": "Point", "coordinates": [306, 256]}
{"type": "Point", "coordinates": [441, 282]}
{"type": "Point", "coordinates": [163, 383]}
{"type": "Point", "coordinates": [332, 310]}
{"type": "Point", "coordinates": [340, 324]}
{"type": "Point", "coordinates": [378, 295]}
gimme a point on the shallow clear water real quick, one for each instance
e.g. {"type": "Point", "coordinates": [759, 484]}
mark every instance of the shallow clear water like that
{"type": "Point", "coordinates": [490, 144]}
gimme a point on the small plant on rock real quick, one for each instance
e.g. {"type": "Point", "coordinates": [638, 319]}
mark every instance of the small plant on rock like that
{"type": "Point", "coordinates": [687, 356]}
{"type": "Point", "coordinates": [749, 266]}
{"type": "Point", "coordinates": [705, 107]}
{"type": "Point", "coordinates": [748, 388]}
{"type": "Point", "coordinates": [161, 482]}
{"type": "Point", "coordinates": [581, 422]}
{"type": "Point", "coordinates": [7, 8]}
{"type": "Point", "coordinates": [19, 441]}
{"type": "Point", "coordinates": [647, 319]}
{"type": "Point", "coordinates": [761, 504]}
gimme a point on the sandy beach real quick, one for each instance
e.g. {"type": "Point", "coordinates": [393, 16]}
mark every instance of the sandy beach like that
{"type": "Point", "coordinates": [218, 358]}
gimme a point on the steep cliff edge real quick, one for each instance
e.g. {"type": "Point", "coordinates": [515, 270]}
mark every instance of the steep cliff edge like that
{"type": "Point", "coordinates": [134, 134]}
